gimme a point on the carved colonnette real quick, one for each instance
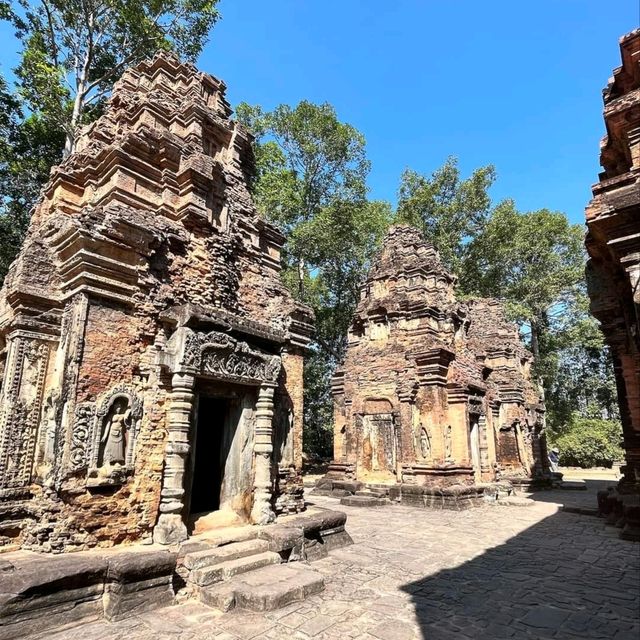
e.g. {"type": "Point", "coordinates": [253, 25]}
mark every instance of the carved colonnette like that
{"type": "Point", "coordinates": [147, 274]}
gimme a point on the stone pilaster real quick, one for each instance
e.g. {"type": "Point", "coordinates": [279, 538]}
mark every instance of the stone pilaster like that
{"type": "Point", "coordinates": [262, 510]}
{"type": "Point", "coordinates": [171, 528]}
{"type": "Point", "coordinates": [485, 465]}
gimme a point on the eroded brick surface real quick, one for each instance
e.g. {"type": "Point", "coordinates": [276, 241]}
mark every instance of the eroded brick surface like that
{"type": "Point", "coordinates": [433, 391]}
{"type": "Point", "coordinates": [147, 284]}
{"type": "Point", "coordinates": [613, 270]}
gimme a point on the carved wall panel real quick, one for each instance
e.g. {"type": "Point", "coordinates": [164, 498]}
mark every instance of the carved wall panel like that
{"type": "Point", "coordinates": [21, 409]}
{"type": "Point", "coordinates": [112, 435]}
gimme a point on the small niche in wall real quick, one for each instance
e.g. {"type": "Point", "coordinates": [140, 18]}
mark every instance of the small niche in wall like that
{"type": "Point", "coordinates": [217, 210]}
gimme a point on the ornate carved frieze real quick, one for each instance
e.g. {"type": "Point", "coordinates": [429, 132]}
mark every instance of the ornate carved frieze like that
{"type": "Point", "coordinates": [218, 355]}
{"type": "Point", "coordinates": [21, 409]}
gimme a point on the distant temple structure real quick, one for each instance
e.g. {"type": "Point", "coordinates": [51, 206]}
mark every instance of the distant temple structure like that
{"type": "Point", "coordinates": [151, 356]}
{"type": "Point", "coordinates": [613, 270]}
{"type": "Point", "coordinates": [435, 395]}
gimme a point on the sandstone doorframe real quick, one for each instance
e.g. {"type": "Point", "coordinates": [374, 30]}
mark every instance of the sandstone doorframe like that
{"type": "Point", "coordinates": [189, 355]}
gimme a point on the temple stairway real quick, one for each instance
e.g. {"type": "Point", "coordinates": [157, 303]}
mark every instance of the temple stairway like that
{"type": "Point", "coordinates": [237, 567]}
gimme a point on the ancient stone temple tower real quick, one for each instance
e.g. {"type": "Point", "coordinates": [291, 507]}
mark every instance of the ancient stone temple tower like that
{"type": "Point", "coordinates": [433, 392]}
{"type": "Point", "coordinates": [613, 271]}
{"type": "Point", "coordinates": [152, 358]}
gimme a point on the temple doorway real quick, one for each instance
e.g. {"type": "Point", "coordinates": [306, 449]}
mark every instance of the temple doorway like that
{"type": "Point", "coordinates": [209, 454]}
{"type": "Point", "coordinates": [378, 446]}
{"type": "Point", "coordinates": [474, 441]}
{"type": "Point", "coordinates": [221, 469]}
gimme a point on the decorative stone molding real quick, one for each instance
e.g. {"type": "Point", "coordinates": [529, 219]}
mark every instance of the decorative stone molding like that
{"type": "Point", "coordinates": [433, 366]}
{"type": "Point", "coordinates": [81, 435]}
{"type": "Point", "coordinates": [218, 355]}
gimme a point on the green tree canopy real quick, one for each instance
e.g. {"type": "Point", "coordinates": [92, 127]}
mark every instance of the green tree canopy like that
{"type": "Point", "coordinates": [28, 149]}
{"type": "Point", "coordinates": [310, 180]}
{"type": "Point", "coordinates": [306, 160]}
{"type": "Point", "coordinates": [533, 260]}
{"type": "Point", "coordinates": [449, 210]}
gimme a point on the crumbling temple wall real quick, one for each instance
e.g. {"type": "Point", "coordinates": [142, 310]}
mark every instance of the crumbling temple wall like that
{"type": "Point", "coordinates": [613, 269]}
{"type": "Point", "coordinates": [145, 307]}
{"type": "Point", "coordinates": [433, 392]}
{"type": "Point", "coordinates": [516, 400]}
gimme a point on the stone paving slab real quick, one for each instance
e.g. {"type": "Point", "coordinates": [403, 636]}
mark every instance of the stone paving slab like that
{"type": "Point", "coordinates": [489, 573]}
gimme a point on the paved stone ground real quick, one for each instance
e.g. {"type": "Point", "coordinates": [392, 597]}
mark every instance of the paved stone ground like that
{"type": "Point", "coordinates": [488, 573]}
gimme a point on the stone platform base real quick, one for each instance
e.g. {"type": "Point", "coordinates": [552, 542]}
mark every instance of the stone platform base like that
{"type": "Point", "coordinates": [456, 498]}
{"type": "Point", "coordinates": [41, 592]}
{"type": "Point", "coordinates": [363, 501]}
{"type": "Point", "coordinates": [622, 510]}
{"type": "Point", "coordinates": [529, 485]}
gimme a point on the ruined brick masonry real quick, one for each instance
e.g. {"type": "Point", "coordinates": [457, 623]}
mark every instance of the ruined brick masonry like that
{"type": "Point", "coordinates": [613, 270]}
{"type": "Point", "coordinates": [143, 319]}
{"type": "Point", "coordinates": [434, 393]}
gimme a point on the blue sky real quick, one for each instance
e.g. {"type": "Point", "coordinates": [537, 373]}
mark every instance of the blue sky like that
{"type": "Point", "coordinates": [513, 83]}
{"type": "Point", "coordinates": [510, 82]}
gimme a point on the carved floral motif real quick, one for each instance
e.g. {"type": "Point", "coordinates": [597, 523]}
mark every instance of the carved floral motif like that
{"type": "Point", "coordinates": [80, 436]}
{"type": "Point", "coordinates": [219, 355]}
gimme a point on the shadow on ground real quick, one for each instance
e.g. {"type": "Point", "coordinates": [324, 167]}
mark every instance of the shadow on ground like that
{"type": "Point", "coordinates": [556, 579]}
{"type": "Point", "coordinates": [586, 499]}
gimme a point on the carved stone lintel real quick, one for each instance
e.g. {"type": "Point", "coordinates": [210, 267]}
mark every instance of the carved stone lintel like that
{"type": "Point", "coordinates": [217, 355]}
{"type": "Point", "coordinates": [475, 405]}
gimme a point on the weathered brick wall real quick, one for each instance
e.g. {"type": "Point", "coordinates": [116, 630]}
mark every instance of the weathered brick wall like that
{"type": "Point", "coordinates": [439, 364]}
{"type": "Point", "coordinates": [147, 227]}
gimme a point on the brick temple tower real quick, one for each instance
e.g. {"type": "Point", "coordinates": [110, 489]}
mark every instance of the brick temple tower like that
{"type": "Point", "coordinates": [151, 356]}
{"type": "Point", "coordinates": [613, 270]}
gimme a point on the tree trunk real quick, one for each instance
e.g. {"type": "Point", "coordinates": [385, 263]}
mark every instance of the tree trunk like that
{"type": "Point", "coordinates": [78, 105]}
{"type": "Point", "coordinates": [535, 339]}
{"type": "Point", "coordinates": [301, 278]}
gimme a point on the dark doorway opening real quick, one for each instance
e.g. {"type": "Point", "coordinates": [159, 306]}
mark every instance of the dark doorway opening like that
{"type": "Point", "coordinates": [209, 461]}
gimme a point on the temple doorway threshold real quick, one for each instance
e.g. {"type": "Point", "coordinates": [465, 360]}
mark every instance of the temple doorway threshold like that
{"type": "Point", "coordinates": [220, 460]}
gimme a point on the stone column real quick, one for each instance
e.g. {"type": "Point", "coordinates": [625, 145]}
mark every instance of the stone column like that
{"type": "Point", "coordinates": [171, 528]}
{"type": "Point", "coordinates": [262, 510]}
{"type": "Point", "coordinates": [485, 465]}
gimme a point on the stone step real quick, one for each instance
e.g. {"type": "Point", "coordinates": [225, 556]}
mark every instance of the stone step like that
{"type": "Point", "coordinates": [265, 589]}
{"type": "Point", "coordinates": [363, 501]}
{"type": "Point", "coordinates": [515, 501]}
{"type": "Point", "coordinates": [573, 485]}
{"type": "Point", "coordinates": [216, 555]}
{"type": "Point", "coordinates": [375, 493]}
{"type": "Point", "coordinates": [224, 570]}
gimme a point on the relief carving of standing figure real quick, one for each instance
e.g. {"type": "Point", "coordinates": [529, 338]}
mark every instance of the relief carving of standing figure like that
{"type": "Point", "coordinates": [448, 444]}
{"type": "Point", "coordinates": [425, 443]}
{"type": "Point", "coordinates": [113, 439]}
{"type": "Point", "coordinates": [50, 428]}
